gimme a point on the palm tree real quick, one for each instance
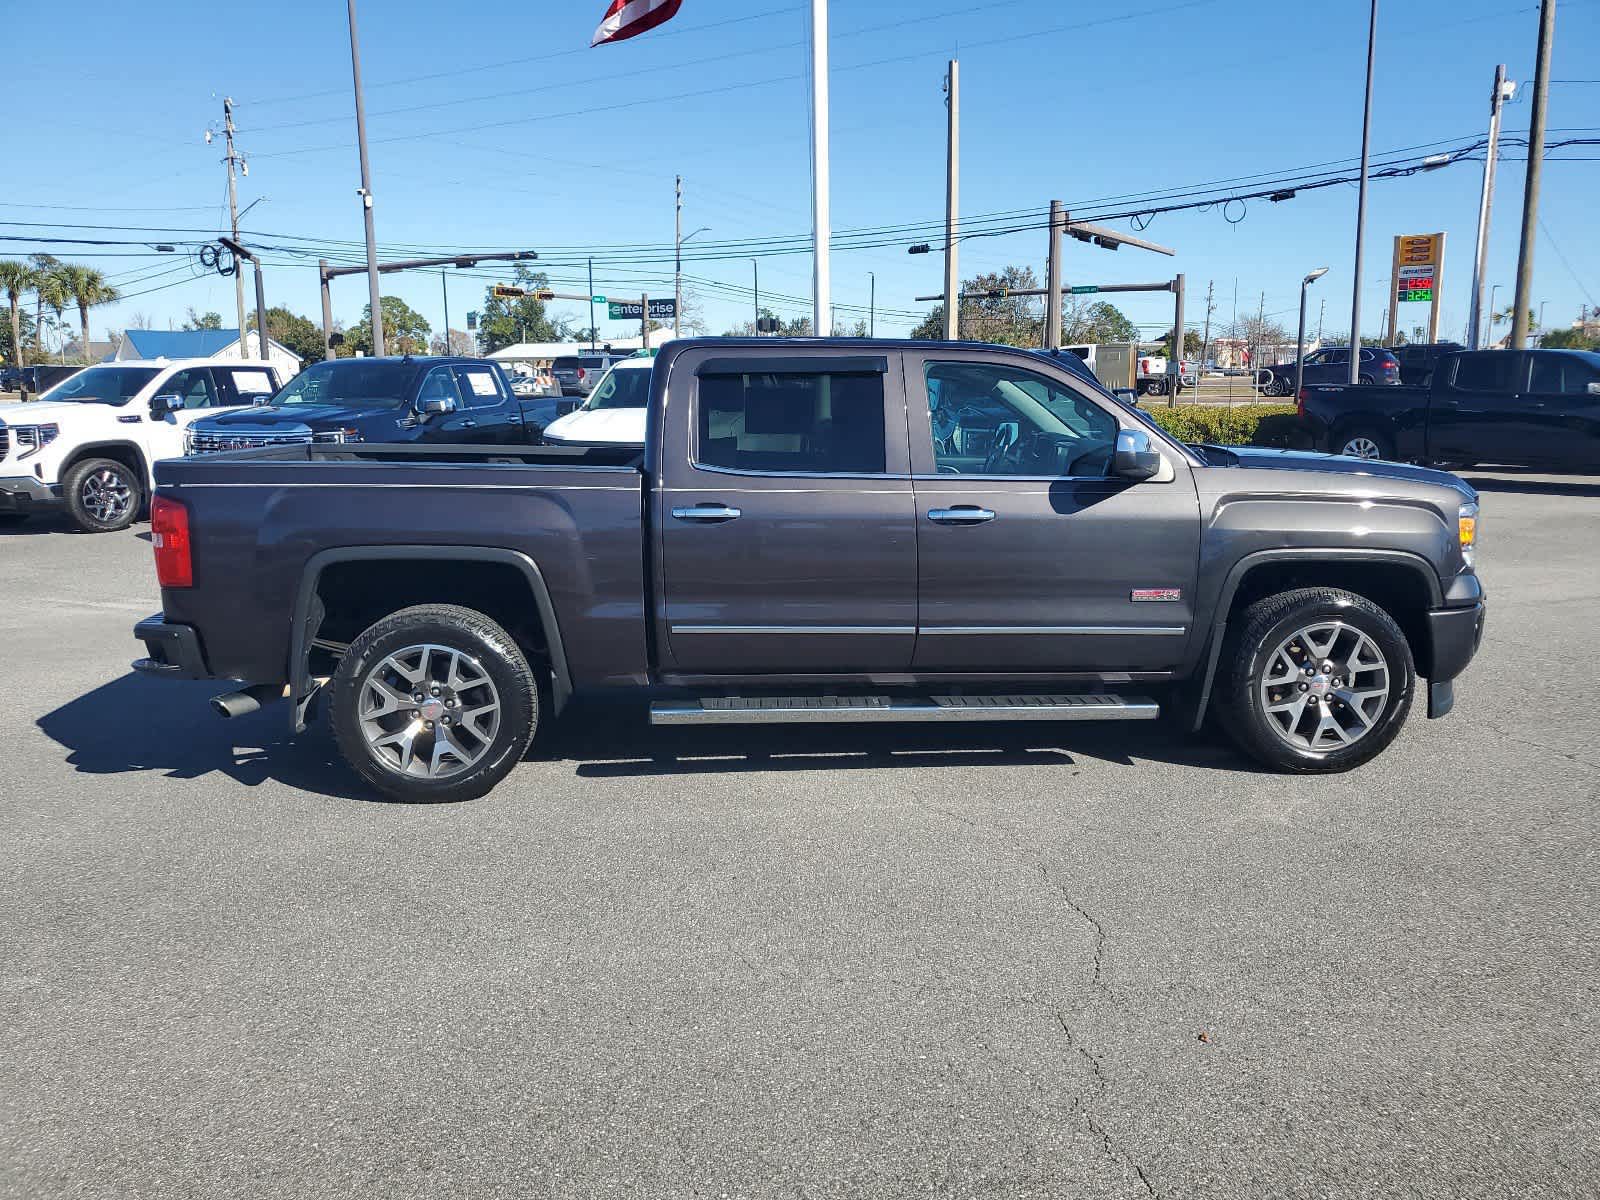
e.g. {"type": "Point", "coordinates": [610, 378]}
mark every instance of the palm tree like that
{"type": "Point", "coordinates": [47, 291]}
{"type": "Point", "coordinates": [86, 287]}
{"type": "Point", "coordinates": [15, 278]}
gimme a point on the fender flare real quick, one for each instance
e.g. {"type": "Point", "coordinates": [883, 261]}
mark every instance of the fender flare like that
{"type": "Point", "coordinates": [301, 689]}
{"type": "Point", "coordinates": [79, 453]}
{"type": "Point", "coordinates": [1230, 586]}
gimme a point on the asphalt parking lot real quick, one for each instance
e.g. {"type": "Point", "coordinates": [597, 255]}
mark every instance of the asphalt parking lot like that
{"type": "Point", "coordinates": [1049, 961]}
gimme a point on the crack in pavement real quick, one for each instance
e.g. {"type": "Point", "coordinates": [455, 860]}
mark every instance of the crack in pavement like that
{"type": "Point", "coordinates": [1098, 982]}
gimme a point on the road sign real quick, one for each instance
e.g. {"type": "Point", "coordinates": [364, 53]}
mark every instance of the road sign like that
{"type": "Point", "coordinates": [1085, 290]}
{"type": "Point", "coordinates": [597, 299]}
{"type": "Point", "coordinates": [629, 310]}
{"type": "Point", "coordinates": [501, 292]}
{"type": "Point", "coordinates": [1416, 283]}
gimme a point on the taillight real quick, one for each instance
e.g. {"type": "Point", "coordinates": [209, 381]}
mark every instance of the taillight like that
{"type": "Point", "coordinates": [582, 374]}
{"type": "Point", "coordinates": [169, 534]}
{"type": "Point", "coordinates": [1300, 404]}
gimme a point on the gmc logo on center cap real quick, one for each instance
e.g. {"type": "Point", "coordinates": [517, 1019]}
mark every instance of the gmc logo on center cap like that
{"type": "Point", "coordinates": [1156, 595]}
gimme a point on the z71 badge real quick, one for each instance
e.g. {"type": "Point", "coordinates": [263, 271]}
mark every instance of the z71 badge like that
{"type": "Point", "coordinates": [1156, 595]}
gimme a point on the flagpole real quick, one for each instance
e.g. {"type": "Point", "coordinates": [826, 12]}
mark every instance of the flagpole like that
{"type": "Point", "coordinates": [822, 320]}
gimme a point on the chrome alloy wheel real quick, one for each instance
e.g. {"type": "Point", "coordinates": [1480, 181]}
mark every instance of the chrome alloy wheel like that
{"type": "Point", "coordinates": [1360, 447]}
{"type": "Point", "coordinates": [1325, 686]}
{"type": "Point", "coordinates": [430, 712]}
{"type": "Point", "coordinates": [106, 495]}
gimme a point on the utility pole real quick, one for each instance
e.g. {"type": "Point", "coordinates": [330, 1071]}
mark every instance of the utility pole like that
{"type": "Point", "coordinates": [444, 286]}
{"type": "Point", "coordinates": [1322, 310]}
{"type": "Point", "coordinates": [1530, 194]}
{"type": "Point", "coordinates": [591, 305]}
{"type": "Point", "coordinates": [327, 310]}
{"type": "Point", "coordinates": [952, 203]}
{"type": "Point", "coordinates": [1175, 362]}
{"type": "Point", "coordinates": [1052, 284]}
{"type": "Point", "coordinates": [1480, 262]}
{"type": "Point", "coordinates": [872, 304]}
{"type": "Point", "coordinates": [677, 255]}
{"type": "Point", "coordinates": [1205, 338]}
{"type": "Point", "coordinates": [644, 321]}
{"type": "Point", "coordinates": [366, 184]}
{"type": "Point", "coordinates": [1361, 202]}
{"type": "Point", "coordinates": [233, 219]}
{"type": "Point", "coordinates": [755, 273]}
{"type": "Point", "coordinates": [822, 281]}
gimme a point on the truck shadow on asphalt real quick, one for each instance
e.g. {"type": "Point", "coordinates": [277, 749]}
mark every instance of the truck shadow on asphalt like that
{"type": "Point", "coordinates": [138, 724]}
{"type": "Point", "coordinates": [1584, 486]}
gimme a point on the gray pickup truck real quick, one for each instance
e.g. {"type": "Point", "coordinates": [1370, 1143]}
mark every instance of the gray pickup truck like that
{"type": "Point", "coordinates": [818, 530]}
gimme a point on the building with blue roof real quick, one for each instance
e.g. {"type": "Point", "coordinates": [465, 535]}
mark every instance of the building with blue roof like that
{"type": "Point", "coordinates": [152, 344]}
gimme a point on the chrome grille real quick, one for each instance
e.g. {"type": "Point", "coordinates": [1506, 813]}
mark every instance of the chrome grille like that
{"type": "Point", "coordinates": [5, 442]}
{"type": "Point", "coordinates": [27, 438]}
{"type": "Point", "coordinates": [204, 442]}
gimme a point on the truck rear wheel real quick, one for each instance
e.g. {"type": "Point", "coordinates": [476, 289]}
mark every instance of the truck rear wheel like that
{"type": "Point", "coordinates": [434, 703]}
{"type": "Point", "coordinates": [1316, 680]}
{"type": "Point", "coordinates": [102, 494]}
{"type": "Point", "coordinates": [1361, 442]}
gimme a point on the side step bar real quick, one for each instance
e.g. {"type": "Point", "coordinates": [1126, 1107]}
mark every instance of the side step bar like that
{"type": "Point", "coordinates": [784, 710]}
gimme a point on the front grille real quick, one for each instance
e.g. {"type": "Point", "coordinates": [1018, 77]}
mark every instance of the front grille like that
{"type": "Point", "coordinates": [27, 438]}
{"type": "Point", "coordinates": [5, 442]}
{"type": "Point", "coordinates": [206, 442]}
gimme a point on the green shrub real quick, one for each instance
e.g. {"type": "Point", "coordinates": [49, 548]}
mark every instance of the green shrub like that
{"type": "Point", "coordinates": [1241, 425]}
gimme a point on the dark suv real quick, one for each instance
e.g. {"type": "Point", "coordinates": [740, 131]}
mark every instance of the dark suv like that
{"type": "Point", "coordinates": [1418, 359]}
{"type": "Point", "coordinates": [1331, 365]}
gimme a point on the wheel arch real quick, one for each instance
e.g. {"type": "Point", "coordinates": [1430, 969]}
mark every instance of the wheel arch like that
{"type": "Point", "coordinates": [310, 608]}
{"type": "Point", "coordinates": [1367, 419]}
{"type": "Point", "coordinates": [1402, 583]}
{"type": "Point", "coordinates": [129, 454]}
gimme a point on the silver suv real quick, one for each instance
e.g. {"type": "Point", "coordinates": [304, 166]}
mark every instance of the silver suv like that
{"type": "Point", "coordinates": [576, 374]}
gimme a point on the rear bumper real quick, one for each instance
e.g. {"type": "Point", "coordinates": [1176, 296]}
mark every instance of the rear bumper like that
{"type": "Point", "coordinates": [172, 651]}
{"type": "Point", "coordinates": [24, 493]}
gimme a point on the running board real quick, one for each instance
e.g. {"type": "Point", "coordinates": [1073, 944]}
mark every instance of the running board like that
{"type": "Point", "coordinates": [784, 710]}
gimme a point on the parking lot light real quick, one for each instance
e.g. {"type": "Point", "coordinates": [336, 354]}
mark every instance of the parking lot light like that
{"type": "Point", "coordinates": [1300, 338]}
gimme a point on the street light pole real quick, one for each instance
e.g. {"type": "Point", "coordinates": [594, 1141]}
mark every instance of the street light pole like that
{"type": "Point", "coordinates": [1480, 263]}
{"type": "Point", "coordinates": [952, 203]}
{"type": "Point", "coordinates": [1300, 338]}
{"type": "Point", "coordinates": [366, 185]}
{"type": "Point", "coordinates": [444, 286]}
{"type": "Point", "coordinates": [1361, 201]}
{"type": "Point", "coordinates": [1489, 333]}
{"type": "Point", "coordinates": [755, 272]}
{"type": "Point", "coordinates": [872, 303]}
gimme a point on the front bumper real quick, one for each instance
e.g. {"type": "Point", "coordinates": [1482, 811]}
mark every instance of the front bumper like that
{"type": "Point", "coordinates": [1454, 635]}
{"type": "Point", "coordinates": [24, 494]}
{"type": "Point", "coordinates": [173, 651]}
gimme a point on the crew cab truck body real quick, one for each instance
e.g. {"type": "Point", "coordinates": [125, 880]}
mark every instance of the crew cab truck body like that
{"type": "Point", "coordinates": [392, 400]}
{"type": "Point", "coordinates": [1526, 408]}
{"type": "Point", "coordinates": [813, 532]}
{"type": "Point", "coordinates": [89, 444]}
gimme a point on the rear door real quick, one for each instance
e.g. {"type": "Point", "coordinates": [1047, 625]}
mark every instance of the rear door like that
{"type": "Point", "coordinates": [489, 414]}
{"type": "Point", "coordinates": [1563, 408]}
{"type": "Point", "coordinates": [787, 531]}
{"type": "Point", "coordinates": [239, 387]}
{"type": "Point", "coordinates": [1478, 411]}
{"type": "Point", "coordinates": [1031, 560]}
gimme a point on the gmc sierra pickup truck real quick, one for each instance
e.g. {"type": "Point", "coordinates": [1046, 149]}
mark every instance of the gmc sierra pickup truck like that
{"type": "Point", "coordinates": [1523, 408]}
{"type": "Point", "coordinates": [812, 532]}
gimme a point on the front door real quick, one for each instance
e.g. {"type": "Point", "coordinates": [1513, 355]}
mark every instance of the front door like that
{"type": "Point", "coordinates": [1479, 413]}
{"type": "Point", "coordinates": [1032, 559]}
{"type": "Point", "coordinates": [1563, 406]}
{"type": "Point", "coordinates": [787, 532]}
{"type": "Point", "coordinates": [198, 391]}
{"type": "Point", "coordinates": [489, 415]}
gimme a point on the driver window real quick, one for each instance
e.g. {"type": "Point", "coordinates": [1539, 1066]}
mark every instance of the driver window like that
{"type": "Point", "coordinates": [439, 385]}
{"type": "Point", "coordinates": [989, 419]}
{"type": "Point", "coordinates": [193, 385]}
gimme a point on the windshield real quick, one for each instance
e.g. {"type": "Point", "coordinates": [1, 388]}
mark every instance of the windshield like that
{"type": "Point", "coordinates": [103, 385]}
{"type": "Point", "coordinates": [621, 389]}
{"type": "Point", "coordinates": [355, 381]}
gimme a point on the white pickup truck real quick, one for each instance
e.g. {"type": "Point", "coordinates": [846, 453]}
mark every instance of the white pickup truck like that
{"type": "Point", "coordinates": [89, 444]}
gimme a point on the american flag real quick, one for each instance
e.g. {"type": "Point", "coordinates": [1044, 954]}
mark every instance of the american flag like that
{"type": "Point", "coordinates": [626, 18]}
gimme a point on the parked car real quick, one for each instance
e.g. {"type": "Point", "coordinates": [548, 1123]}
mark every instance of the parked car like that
{"type": "Point", "coordinates": [804, 538]}
{"type": "Point", "coordinates": [1526, 408]}
{"type": "Point", "coordinates": [1331, 365]}
{"type": "Point", "coordinates": [1154, 378]}
{"type": "Point", "coordinates": [577, 374]}
{"type": "Point", "coordinates": [614, 413]}
{"type": "Point", "coordinates": [1418, 359]}
{"type": "Point", "coordinates": [391, 400]}
{"type": "Point", "coordinates": [89, 443]}
{"type": "Point", "coordinates": [36, 379]}
{"type": "Point", "coordinates": [532, 384]}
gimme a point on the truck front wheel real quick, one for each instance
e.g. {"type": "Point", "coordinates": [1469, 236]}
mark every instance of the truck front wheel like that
{"type": "Point", "coordinates": [1316, 680]}
{"type": "Point", "coordinates": [102, 495]}
{"type": "Point", "coordinates": [434, 703]}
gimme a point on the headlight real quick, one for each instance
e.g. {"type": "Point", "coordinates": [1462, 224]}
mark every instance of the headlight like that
{"type": "Point", "coordinates": [1467, 530]}
{"type": "Point", "coordinates": [336, 436]}
{"type": "Point", "coordinates": [35, 437]}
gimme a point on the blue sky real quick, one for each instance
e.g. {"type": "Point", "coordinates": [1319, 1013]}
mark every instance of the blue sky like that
{"type": "Point", "coordinates": [495, 127]}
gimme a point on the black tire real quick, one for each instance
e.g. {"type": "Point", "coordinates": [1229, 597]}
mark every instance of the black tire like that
{"type": "Point", "coordinates": [1367, 381]}
{"type": "Point", "coordinates": [1252, 640]}
{"type": "Point", "coordinates": [90, 478]}
{"type": "Point", "coordinates": [1349, 436]}
{"type": "Point", "coordinates": [460, 629]}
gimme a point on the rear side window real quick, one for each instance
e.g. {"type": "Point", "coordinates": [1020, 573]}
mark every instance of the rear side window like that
{"type": "Point", "coordinates": [1485, 371]}
{"type": "Point", "coordinates": [244, 385]}
{"type": "Point", "coordinates": [479, 386]}
{"type": "Point", "coordinates": [564, 364]}
{"type": "Point", "coordinates": [771, 422]}
{"type": "Point", "coordinates": [1560, 375]}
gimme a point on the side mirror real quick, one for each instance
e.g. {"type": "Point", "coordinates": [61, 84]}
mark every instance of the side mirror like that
{"type": "Point", "coordinates": [1593, 389]}
{"type": "Point", "coordinates": [161, 406]}
{"type": "Point", "coordinates": [436, 406]}
{"type": "Point", "coordinates": [1127, 395]}
{"type": "Point", "coordinates": [1134, 458]}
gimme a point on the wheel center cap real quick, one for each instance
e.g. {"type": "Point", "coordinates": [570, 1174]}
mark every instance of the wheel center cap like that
{"type": "Point", "coordinates": [1319, 685]}
{"type": "Point", "coordinates": [431, 709]}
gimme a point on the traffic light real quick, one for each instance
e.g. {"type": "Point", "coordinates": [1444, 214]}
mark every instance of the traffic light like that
{"type": "Point", "coordinates": [766, 324]}
{"type": "Point", "coordinates": [544, 295]}
{"type": "Point", "coordinates": [502, 292]}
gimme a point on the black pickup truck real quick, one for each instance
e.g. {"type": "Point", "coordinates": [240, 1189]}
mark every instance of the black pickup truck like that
{"type": "Point", "coordinates": [389, 400]}
{"type": "Point", "coordinates": [813, 532]}
{"type": "Point", "coordinates": [1527, 408]}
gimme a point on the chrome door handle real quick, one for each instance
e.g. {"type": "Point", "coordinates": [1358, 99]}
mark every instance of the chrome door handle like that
{"type": "Point", "coordinates": [706, 512]}
{"type": "Point", "coordinates": [963, 515]}
{"type": "Point", "coordinates": [467, 424]}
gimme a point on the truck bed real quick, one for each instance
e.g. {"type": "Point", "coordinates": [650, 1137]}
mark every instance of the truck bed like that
{"type": "Point", "coordinates": [265, 523]}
